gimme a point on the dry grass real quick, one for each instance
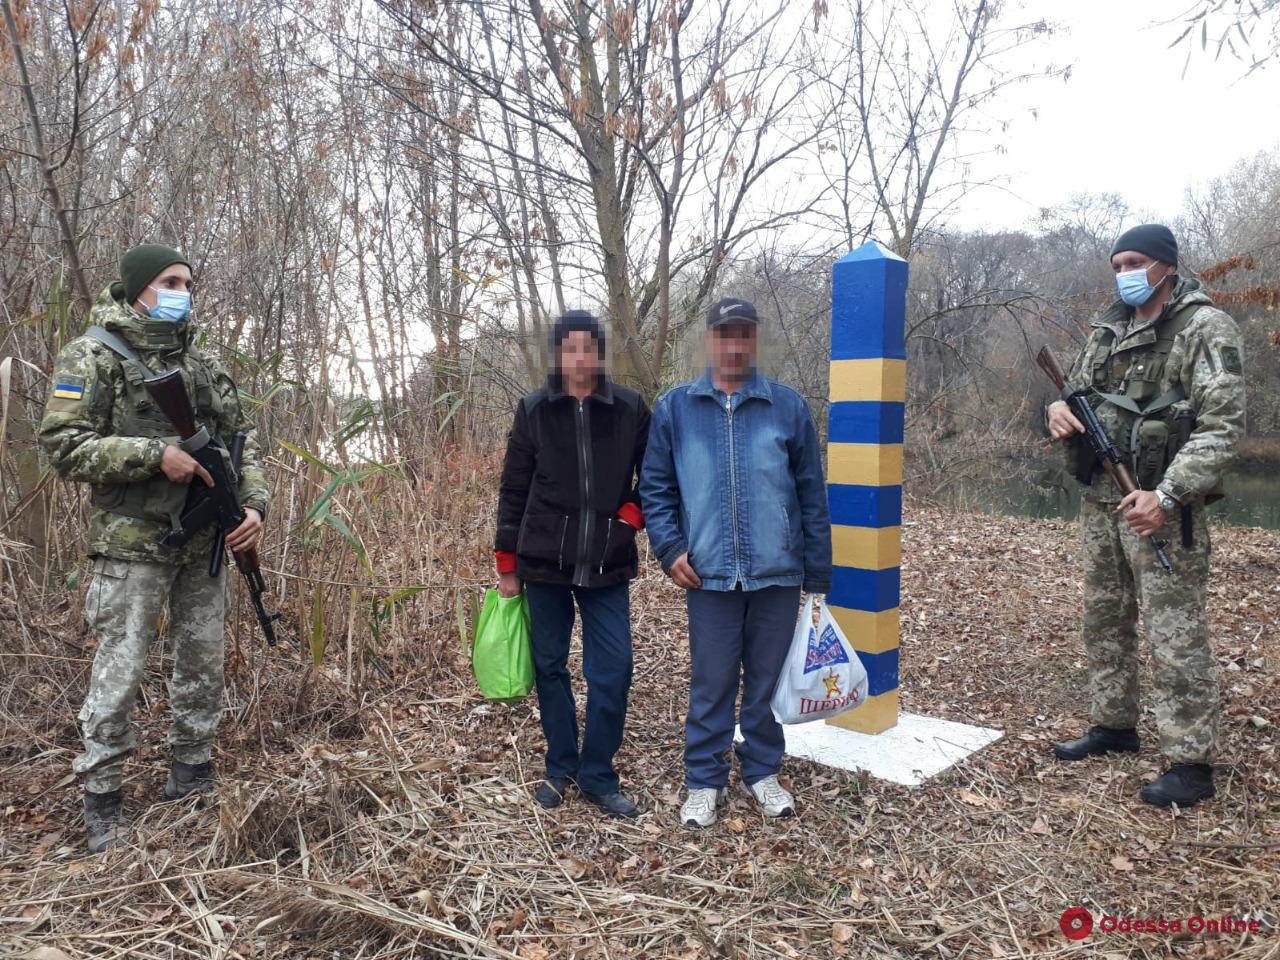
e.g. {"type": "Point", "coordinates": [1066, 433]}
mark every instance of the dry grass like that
{"type": "Point", "coordinates": [399, 824]}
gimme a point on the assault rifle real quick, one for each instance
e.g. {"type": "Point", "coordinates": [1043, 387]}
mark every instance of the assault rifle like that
{"type": "Point", "coordinates": [217, 506]}
{"type": "Point", "coordinates": [1096, 436]}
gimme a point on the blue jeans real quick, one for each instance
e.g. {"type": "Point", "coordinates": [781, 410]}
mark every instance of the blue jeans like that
{"type": "Point", "coordinates": [606, 663]}
{"type": "Point", "coordinates": [732, 634]}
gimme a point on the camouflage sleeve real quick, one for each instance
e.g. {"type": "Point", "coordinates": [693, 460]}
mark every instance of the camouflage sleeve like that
{"type": "Point", "coordinates": [1214, 375]}
{"type": "Point", "coordinates": [75, 433]}
{"type": "Point", "coordinates": [254, 491]}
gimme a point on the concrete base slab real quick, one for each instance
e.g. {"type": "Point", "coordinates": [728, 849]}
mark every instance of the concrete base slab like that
{"type": "Point", "coordinates": [910, 753]}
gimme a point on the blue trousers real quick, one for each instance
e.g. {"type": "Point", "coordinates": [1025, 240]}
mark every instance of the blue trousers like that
{"type": "Point", "coordinates": [736, 638]}
{"type": "Point", "coordinates": [607, 665]}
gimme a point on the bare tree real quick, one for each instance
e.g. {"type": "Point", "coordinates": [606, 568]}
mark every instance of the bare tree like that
{"type": "Point", "coordinates": [919, 95]}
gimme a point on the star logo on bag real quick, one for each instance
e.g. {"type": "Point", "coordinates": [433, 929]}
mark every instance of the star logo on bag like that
{"type": "Point", "coordinates": [832, 682]}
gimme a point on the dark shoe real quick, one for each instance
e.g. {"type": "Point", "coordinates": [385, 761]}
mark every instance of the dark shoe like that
{"type": "Point", "coordinates": [1096, 742]}
{"type": "Point", "coordinates": [1186, 784]}
{"type": "Point", "coordinates": [614, 804]}
{"type": "Point", "coordinates": [188, 778]}
{"type": "Point", "coordinates": [550, 792]}
{"type": "Point", "coordinates": [102, 824]}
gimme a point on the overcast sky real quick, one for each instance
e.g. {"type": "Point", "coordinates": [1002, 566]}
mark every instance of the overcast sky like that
{"type": "Point", "coordinates": [1125, 83]}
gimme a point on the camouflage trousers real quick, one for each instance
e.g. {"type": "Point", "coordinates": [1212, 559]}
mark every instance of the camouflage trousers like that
{"type": "Point", "coordinates": [1123, 577]}
{"type": "Point", "coordinates": [124, 603]}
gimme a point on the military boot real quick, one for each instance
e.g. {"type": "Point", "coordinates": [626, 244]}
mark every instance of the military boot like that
{"type": "Point", "coordinates": [1097, 741]}
{"type": "Point", "coordinates": [1186, 784]}
{"type": "Point", "coordinates": [102, 823]}
{"type": "Point", "coordinates": [188, 778]}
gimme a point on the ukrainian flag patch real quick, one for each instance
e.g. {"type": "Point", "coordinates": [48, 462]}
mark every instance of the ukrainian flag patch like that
{"type": "Point", "coordinates": [69, 388]}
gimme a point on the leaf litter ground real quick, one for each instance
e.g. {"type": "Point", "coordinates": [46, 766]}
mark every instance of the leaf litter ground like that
{"type": "Point", "coordinates": [401, 825]}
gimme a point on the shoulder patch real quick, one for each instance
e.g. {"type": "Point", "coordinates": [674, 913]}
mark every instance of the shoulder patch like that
{"type": "Point", "coordinates": [68, 388]}
{"type": "Point", "coordinates": [1231, 360]}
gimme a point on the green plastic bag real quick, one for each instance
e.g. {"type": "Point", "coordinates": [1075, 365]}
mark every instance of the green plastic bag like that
{"type": "Point", "coordinates": [501, 656]}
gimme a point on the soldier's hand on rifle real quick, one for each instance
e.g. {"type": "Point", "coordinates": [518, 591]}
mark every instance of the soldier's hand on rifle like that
{"type": "Point", "coordinates": [1144, 512]}
{"type": "Point", "coordinates": [246, 536]}
{"type": "Point", "coordinates": [1062, 422]}
{"type": "Point", "coordinates": [180, 467]}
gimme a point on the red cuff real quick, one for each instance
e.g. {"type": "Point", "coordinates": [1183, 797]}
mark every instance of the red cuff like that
{"type": "Point", "coordinates": [506, 561]}
{"type": "Point", "coordinates": [630, 514]}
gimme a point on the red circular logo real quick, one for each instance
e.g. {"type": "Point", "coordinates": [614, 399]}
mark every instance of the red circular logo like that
{"type": "Point", "coordinates": [1076, 923]}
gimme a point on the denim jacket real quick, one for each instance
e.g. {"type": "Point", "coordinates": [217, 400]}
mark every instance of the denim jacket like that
{"type": "Point", "coordinates": [737, 482]}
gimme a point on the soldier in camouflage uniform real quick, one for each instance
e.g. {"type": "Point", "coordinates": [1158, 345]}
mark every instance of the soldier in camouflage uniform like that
{"type": "Point", "coordinates": [101, 428]}
{"type": "Point", "coordinates": [1164, 372]}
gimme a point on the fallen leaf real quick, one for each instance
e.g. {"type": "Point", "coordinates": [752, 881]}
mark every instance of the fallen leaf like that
{"type": "Point", "coordinates": [1122, 863]}
{"type": "Point", "coordinates": [574, 868]}
{"type": "Point", "coordinates": [841, 932]}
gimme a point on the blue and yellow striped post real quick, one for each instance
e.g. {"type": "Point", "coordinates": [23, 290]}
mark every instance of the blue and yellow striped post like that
{"type": "Point", "coordinates": [864, 468]}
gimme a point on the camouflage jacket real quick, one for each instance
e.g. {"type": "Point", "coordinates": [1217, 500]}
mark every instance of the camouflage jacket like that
{"type": "Point", "coordinates": [92, 390]}
{"type": "Point", "coordinates": [1203, 369]}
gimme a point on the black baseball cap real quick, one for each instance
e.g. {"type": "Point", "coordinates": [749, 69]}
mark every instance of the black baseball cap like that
{"type": "Point", "coordinates": [732, 310]}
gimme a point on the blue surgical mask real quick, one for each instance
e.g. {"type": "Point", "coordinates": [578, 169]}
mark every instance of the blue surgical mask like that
{"type": "Point", "coordinates": [172, 305]}
{"type": "Point", "coordinates": [1133, 286]}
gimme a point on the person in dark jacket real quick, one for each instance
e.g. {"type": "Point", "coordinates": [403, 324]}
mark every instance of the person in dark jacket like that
{"type": "Point", "coordinates": [568, 515]}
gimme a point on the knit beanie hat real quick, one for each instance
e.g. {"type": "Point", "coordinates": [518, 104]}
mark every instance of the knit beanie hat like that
{"type": "Point", "coordinates": [575, 320]}
{"type": "Point", "coordinates": [1154, 239]}
{"type": "Point", "coordinates": [140, 266]}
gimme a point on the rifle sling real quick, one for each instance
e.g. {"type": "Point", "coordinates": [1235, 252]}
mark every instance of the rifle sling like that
{"type": "Point", "coordinates": [116, 344]}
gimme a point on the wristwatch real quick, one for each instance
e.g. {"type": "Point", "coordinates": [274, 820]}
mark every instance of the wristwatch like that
{"type": "Point", "coordinates": [1167, 503]}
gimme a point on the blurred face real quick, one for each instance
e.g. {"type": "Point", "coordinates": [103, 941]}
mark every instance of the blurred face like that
{"type": "Point", "coordinates": [1127, 260]}
{"type": "Point", "coordinates": [176, 277]}
{"type": "Point", "coordinates": [578, 360]}
{"type": "Point", "coordinates": [732, 350]}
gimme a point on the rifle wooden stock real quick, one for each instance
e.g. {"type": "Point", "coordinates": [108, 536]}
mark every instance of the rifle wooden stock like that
{"type": "Point", "coordinates": [1049, 364]}
{"type": "Point", "coordinates": [170, 394]}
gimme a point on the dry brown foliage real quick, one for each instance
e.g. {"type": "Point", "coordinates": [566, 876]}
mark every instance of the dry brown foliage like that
{"type": "Point", "coordinates": [398, 823]}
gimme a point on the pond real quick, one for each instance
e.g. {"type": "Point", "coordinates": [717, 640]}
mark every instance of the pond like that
{"type": "Point", "coordinates": [1042, 488]}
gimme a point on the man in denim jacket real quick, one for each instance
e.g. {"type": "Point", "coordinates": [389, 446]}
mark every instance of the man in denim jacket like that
{"type": "Point", "coordinates": [736, 506]}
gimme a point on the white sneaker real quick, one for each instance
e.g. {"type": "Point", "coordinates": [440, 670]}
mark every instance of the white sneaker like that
{"type": "Point", "coordinates": [699, 808]}
{"type": "Point", "coordinates": [772, 797]}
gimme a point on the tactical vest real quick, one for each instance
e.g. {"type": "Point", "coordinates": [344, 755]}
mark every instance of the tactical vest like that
{"type": "Point", "coordinates": [157, 498]}
{"type": "Point", "coordinates": [1157, 423]}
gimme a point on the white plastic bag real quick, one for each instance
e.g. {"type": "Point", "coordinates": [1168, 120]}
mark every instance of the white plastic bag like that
{"type": "Point", "coordinates": [822, 675]}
